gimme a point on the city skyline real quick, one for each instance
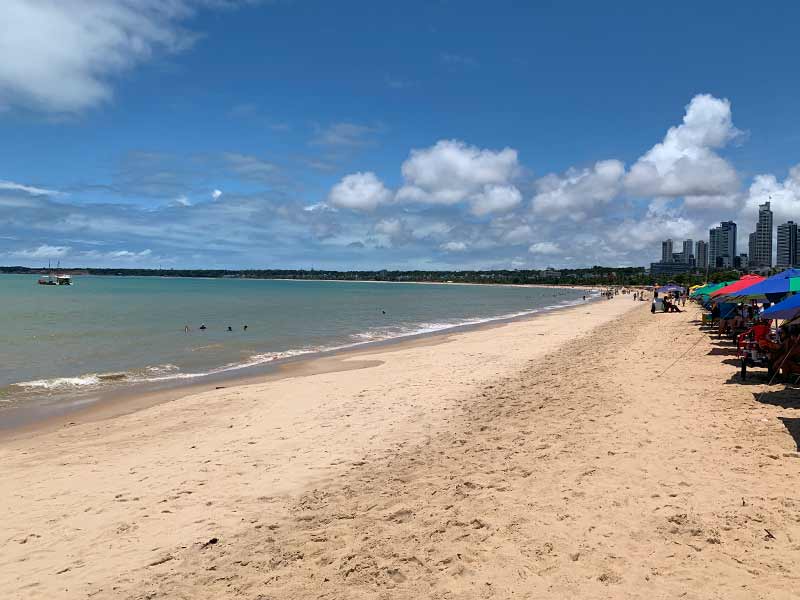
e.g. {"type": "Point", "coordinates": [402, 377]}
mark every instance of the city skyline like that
{"type": "Point", "coordinates": [721, 249]}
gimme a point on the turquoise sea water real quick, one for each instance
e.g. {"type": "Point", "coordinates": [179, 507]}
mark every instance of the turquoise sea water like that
{"type": "Point", "coordinates": [113, 331]}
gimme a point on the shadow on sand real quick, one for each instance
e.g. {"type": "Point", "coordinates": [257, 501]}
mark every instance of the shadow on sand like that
{"type": "Point", "coordinates": [793, 427]}
{"type": "Point", "coordinates": [788, 397]}
{"type": "Point", "coordinates": [723, 351]}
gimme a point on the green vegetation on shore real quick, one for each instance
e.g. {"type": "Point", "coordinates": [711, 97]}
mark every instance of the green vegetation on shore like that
{"type": "Point", "coordinates": [592, 276]}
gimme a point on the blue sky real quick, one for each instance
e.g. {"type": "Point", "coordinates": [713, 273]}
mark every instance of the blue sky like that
{"type": "Point", "coordinates": [297, 134]}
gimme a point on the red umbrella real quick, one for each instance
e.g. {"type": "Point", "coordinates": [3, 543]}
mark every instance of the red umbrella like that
{"type": "Point", "coordinates": [736, 286]}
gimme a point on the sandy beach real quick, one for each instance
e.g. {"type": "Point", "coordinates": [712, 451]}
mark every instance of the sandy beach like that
{"type": "Point", "coordinates": [564, 456]}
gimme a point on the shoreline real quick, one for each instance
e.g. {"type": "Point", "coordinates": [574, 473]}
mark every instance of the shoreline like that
{"type": "Point", "coordinates": [95, 503]}
{"type": "Point", "coordinates": [30, 418]}
{"type": "Point", "coordinates": [576, 286]}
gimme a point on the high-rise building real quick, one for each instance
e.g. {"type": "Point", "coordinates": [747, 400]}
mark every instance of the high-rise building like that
{"type": "Point", "coordinates": [761, 255]}
{"type": "Point", "coordinates": [713, 246]}
{"type": "Point", "coordinates": [687, 251]}
{"type": "Point", "coordinates": [751, 245]}
{"type": "Point", "coordinates": [722, 244]}
{"type": "Point", "coordinates": [787, 245]}
{"type": "Point", "coordinates": [728, 241]}
{"type": "Point", "coordinates": [666, 251]}
{"type": "Point", "coordinates": [701, 254]}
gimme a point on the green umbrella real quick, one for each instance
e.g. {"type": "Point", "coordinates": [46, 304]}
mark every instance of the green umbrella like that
{"type": "Point", "coordinates": [708, 288]}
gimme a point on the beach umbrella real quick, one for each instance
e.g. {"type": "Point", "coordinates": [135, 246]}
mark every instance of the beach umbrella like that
{"type": "Point", "coordinates": [772, 288]}
{"type": "Point", "coordinates": [670, 288]}
{"type": "Point", "coordinates": [787, 309]}
{"type": "Point", "coordinates": [745, 282]}
{"type": "Point", "coordinates": [705, 290]}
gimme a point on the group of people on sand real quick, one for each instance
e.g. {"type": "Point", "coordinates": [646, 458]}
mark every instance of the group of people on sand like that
{"type": "Point", "coordinates": [669, 302]}
{"type": "Point", "coordinates": [737, 318]}
{"type": "Point", "coordinates": [187, 329]}
{"type": "Point", "coordinates": [609, 293]}
{"type": "Point", "coordinates": [757, 342]}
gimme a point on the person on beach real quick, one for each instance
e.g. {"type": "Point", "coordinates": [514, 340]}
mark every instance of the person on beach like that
{"type": "Point", "coordinates": [203, 326]}
{"type": "Point", "coordinates": [230, 328]}
{"type": "Point", "coordinates": [244, 328]}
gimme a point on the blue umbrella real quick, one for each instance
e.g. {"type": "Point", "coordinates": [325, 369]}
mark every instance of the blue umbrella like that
{"type": "Point", "coordinates": [772, 288]}
{"type": "Point", "coordinates": [788, 309]}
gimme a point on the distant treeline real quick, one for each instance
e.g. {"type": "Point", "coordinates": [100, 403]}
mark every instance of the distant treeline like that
{"type": "Point", "coordinates": [593, 276]}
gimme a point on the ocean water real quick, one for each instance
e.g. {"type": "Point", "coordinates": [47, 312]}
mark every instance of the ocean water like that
{"type": "Point", "coordinates": [107, 332]}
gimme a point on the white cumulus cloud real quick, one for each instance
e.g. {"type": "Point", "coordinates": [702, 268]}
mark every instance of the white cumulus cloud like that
{"type": "Point", "coordinates": [495, 198]}
{"type": "Point", "coordinates": [359, 191]}
{"type": "Point", "coordinates": [518, 234]}
{"type": "Point", "coordinates": [60, 55]}
{"type": "Point", "coordinates": [453, 246]}
{"type": "Point", "coordinates": [579, 191]}
{"type": "Point", "coordinates": [685, 163]}
{"type": "Point", "coordinates": [44, 252]}
{"type": "Point", "coordinates": [451, 171]}
{"type": "Point", "coordinates": [549, 248]}
{"type": "Point", "coordinates": [783, 196]}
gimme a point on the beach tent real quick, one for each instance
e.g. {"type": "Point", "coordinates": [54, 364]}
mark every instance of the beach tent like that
{"type": "Point", "coordinates": [745, 282]}
{"type": "Point", "coordinates": [788, 309]}
{"type": "Point", "coordinates": [670, 288]}
{"type": "Point", "coordinates": [772, 288]}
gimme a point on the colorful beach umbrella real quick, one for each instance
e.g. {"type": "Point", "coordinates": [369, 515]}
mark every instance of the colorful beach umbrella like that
{"type": "Point", "coordinates": [745, 282]}
{"type": "Point", "coordinates": [706, 289]}
{"type": "Point", "coordinates": [772, 288]}
{"type": "Point", "coordinates": [788, 309]}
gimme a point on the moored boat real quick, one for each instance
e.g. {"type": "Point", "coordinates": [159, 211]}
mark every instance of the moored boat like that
{"type": "Point", "coordinates": [55, 278]}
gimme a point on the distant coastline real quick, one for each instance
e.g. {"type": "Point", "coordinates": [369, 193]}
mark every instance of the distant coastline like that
{"type": "Point", "coordinates": [596, 276]}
